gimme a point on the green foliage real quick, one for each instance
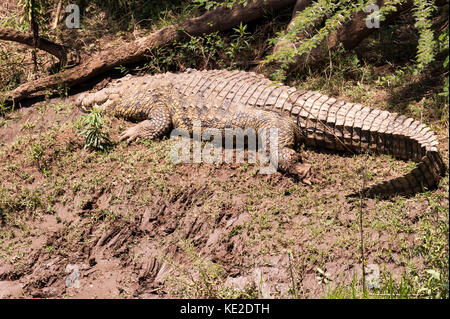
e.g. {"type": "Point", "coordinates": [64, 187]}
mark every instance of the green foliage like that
{"type": "Point", "coordinates": [317, 21]}
{"type": "Point", "coordinates": [197, 52]}
{"type": "Point", "coordinates": [123, 70]}
{"type": "Point", "coordinates": [388, 289]}
{"type": "Point", "coordinates": [335, 13]}
{"type": "Point", "coordinates": [444, 38]}
{"type": "Point", "coordinates": [32, 10]}
{"type": "Point", "coordinates": [92, 129]}
{"type": "Point", "coordinates": [426, 47]}
{"type": "Point", "coordinates": [11, 75]}
{"type": "Point", "coordinates": [239, 41]}
{"type": "Point", "coordinates": [127, 14]}
{"type": "Point", "coordinates": [208, 4]}
{"type": "Point", "coordinates": [5, 108]}
{"type": "Point", "coordinates": [16, 199]}
{"type": "Point", "coordinates": [209, 275]}
{"type": "Point", "coordinates": [398, 77]}
{"type": "Point", "coordinates": [35, 12]}
{"type": "Point", "coordinates": [37, 152]}
{"type": "Point", "coordinates": [434, 249]}
{"type": "Point", "coordinates": [435, 285]}
{"type": "Point", "coordinates": [208, 51]}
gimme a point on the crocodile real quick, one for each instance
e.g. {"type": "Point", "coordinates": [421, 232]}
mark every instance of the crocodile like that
{"type": "Point", "coordinates": [229, 99]}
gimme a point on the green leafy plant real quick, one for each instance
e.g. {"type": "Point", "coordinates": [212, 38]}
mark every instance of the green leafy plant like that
{"type": "Point", "coordinates": [92, 129]}
{"type": "Point", "coordinates": [208, 4]}
{"type": "Point", "coordinates": [435, 286]}
{"type": "Point", "coordinates": [443, 38]}
{"type": "Point", "coordinates": [239, 41]}
{"type": "Point", "coordinates": [123, 70]}
{"type": "Point", "coordinates": [426, 46]}
{"type": "Point", "coordinates": [37, 152]}
{"type": "Point", "coordinates": [33, 10]}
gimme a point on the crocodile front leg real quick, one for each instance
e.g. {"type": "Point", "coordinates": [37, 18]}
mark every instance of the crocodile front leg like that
{"type": "Point", "coordinates": [158, 124]}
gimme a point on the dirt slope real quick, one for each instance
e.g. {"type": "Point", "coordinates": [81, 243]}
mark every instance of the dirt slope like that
{"type": "Point", "coordinates": [128, 223]}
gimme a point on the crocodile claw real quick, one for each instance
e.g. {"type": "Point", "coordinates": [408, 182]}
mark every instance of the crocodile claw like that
{"type": "Point", "coordinates": [302, 171]}
{"type": "Point", "coordinates": [130, 134]}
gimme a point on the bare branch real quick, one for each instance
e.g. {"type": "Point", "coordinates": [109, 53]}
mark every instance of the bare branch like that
{"type": "Point", "coordinates": [54, 49]}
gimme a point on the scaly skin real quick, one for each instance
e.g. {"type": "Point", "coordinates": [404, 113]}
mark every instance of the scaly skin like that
{"type": "Point", "coordinates": [235, 99]}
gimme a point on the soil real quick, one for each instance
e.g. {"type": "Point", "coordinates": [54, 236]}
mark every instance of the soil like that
{"type": "Point", "coordinates": [127, 223]}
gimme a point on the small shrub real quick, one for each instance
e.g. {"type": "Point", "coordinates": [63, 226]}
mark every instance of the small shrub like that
{"type": "Point", "coordinates": [93, 130]}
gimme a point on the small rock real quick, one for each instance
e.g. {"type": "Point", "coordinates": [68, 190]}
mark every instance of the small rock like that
{"type": "Point", "coordinates": [372, 276]}
{"type": "Point", "coordinates": [73, 279]}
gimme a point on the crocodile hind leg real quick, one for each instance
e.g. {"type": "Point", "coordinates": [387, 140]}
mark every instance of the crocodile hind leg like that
{"type": "Point", "coordinates": [158, 124]}
{"type": "Point", "coordinates": [290, 162]}
{"type": "Point", "coordinates": [286, 159]}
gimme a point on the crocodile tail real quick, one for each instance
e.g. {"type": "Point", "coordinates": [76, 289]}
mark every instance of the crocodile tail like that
{"type": "Point", "coordinates": [426, 175]}
{"type": "Point", "coordinates": [333, 124]}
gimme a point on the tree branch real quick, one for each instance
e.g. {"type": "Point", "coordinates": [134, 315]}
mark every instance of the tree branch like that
{"type": "Point", "coordinates": [54, 49]}
{"type": "Point", "coordinates": [299, 7]}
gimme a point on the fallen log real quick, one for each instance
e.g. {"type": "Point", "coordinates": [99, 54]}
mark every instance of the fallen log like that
{"type": "Point", "coordinates": [220, 19]}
